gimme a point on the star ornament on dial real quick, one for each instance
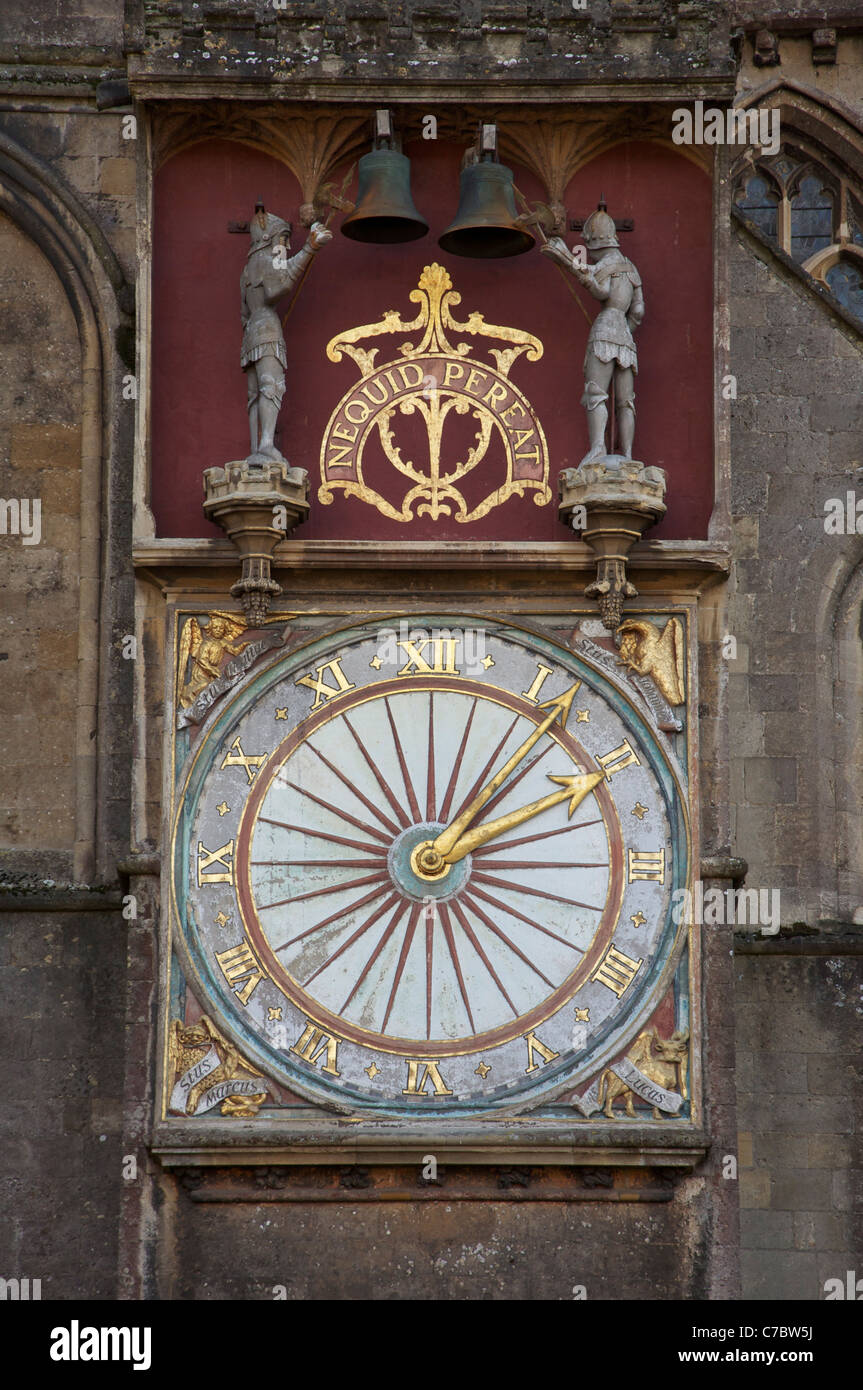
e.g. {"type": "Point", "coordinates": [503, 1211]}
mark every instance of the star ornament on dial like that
{"type": "Point", "coordinates": [428, 869]}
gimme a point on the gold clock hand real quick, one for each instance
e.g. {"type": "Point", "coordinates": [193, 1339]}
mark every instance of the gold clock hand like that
{"type": "Point", "coordinates": [559, 709]}
{"type": "Point", "coordinates": [573, 789]}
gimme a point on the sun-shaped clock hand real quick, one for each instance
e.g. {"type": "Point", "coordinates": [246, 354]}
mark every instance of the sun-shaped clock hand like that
{"type": "Point", "coordinates": [436, 853]}
{"type": "Point", "coordinates": [572, 788]}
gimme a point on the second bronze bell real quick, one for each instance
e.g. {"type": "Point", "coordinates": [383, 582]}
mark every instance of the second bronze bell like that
{"type": "Point", "coordinates": [486, 225]}
{"type": "Point", "coordinates": [384, 211]}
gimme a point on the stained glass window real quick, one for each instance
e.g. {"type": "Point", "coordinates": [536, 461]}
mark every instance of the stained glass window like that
{"type": "Point", "coordinates": [760, 204]}
{"type": "Point", "coordinates": [845, 279]}
{"type": "Point", "coordinates": [811, 218]}
{"type": "Point", "coordinates": [807, 216]}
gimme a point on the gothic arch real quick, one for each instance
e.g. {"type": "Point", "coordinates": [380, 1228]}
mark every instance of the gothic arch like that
{"type": "Point", "coordinates": [839, 680]}
{"type": "Point", "coordinates": [48, 212]}
{"type": "Point", "coordinates": [816, 118]}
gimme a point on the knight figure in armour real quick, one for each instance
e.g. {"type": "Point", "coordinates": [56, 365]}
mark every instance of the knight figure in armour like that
{"type": "Point", "coordinates": [269, 274]}
{"type": "Point", "coordinates": [611, 355]}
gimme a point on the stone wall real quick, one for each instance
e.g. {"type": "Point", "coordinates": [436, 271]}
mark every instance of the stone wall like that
{"type": "Point", "coordinates": [67, 194]}
{"type": "Point", "coordinates": [799, 1075]}
{"type": "Point", "coordinates": [62, 989]}
{"type": "Point", "coordinates": [40, 469]}
{"type": "Point", "coordinates": [405, 42]}
{"type": "Point", "coordinates": [477, 1250]}
{"type": "Point", "coordinates": [796, 442]}
{"type": "Point", "coordinates": [796, 735]}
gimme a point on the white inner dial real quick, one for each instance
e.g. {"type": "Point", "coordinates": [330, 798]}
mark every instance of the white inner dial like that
{"type": "Point", "coordinates": [347, 916]}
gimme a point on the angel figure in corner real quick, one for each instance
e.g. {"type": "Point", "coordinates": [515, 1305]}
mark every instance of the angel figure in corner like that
{"type": "Point", "coordinates": [203, 652]}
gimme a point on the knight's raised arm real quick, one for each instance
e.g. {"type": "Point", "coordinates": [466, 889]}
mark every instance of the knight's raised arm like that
{"type": "Point", "coordinates": [284, 274]}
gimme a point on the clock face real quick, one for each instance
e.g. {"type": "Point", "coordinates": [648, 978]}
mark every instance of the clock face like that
{"type": "Point", "coordinates": [429, 866]}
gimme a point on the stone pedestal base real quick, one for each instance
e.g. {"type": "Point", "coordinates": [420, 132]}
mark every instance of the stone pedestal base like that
{"type": "Point", "coordinates": [612, 502]}
{"type": "Point", "coordinates": [257, 504]}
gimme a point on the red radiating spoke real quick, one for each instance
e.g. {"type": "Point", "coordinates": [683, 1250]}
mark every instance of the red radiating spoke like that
{"type": "Point", "coordinates": [400, 911]}
{"type": "Point", "coordinates": [514, 780]}
{"type": "Point", "coordinates": [321, 835]}
{"type": "Point", "coordinates": [360, 931]}
{"type": "Point", "coordinates": [540, 864]}
{"type": "Point", "coordinates": [532, 892]}
{"type": "Point", "coordinates": [406, 778]}
{"type": "Point", "coordinates": [352, 787]}
{"type": "Point", "coordinates": [483, 776]}
{"type": "Point", "coordinates": [382, 783]}
{"type": "Point", "coordinates": [431, 803]}
{"type": "Point", "coordinates": [327, 921]}
{"type": "Point", "coordinates": [403, 955]}
{"type": "Point", "coordinates": [331, 888]}
{"type": "Point", "coordinates": [447, 801]}
{"type": "Point", "coordinates": [337, 811]}
{"type": "Point", "coordinates": [514, 912]}
{"type": "Point", "coordinates": [471, 936]}
{"type": "Point", "coordinates": [450, 941]}
{"type": "Point", "coordinates": [529, 839]}
{"type": "Point", "coordinates": [323, 863]}
{"type": "Point", "coordinates": [487, 922]}
{"type": "Point", "coordinates": [429, 966]}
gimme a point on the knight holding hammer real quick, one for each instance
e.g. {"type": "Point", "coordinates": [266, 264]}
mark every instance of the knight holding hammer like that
{"type": "Point", "coordinates": [611, 354]}
{"type": "Point", "coordinates": [268, 275]}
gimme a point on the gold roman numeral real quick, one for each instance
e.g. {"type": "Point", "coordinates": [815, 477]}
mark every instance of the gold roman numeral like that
{"type": "Point", "coordinates": [223, 856]}
{"type": "Point", "coordinates": [648, 864]}
{"type": "Point", "coordinates": [312, 1043]}
{"type": "Point", "coordinates": [534, 1045]}
{"type": "Point", "coordinates": [616, 970]}
{"type": "Point", "coordinates": [237, 758]}
{"type": "Point", "coordinates": [240, 963]}
{"type": "Point", "coordinates": [618, 759]}
{"type": "Point", "coordinates": [443, 649]}
{"type": "Point", "coordinates": [542, 675]}
{"type": "Point", "coordinates": [322, 690]}
{"type": "Point", "coordinates": [417, 1081]}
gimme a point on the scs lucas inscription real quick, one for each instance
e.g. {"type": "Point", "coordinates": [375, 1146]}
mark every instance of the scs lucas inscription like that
{"type": "Point", "coordinates": [431, 874]}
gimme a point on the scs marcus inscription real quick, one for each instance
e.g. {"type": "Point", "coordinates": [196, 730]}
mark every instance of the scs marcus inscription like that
{"type": "Point", "coordinates": [430, 870]}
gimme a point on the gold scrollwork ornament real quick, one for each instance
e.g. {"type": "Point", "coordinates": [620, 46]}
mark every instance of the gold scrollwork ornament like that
{"type": "Point", "coordinates": [434, 378]}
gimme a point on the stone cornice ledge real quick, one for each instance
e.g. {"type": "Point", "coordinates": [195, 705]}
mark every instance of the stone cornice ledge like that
{"type": "Point", "coordinates": [504, 1140]}
{"type": "Point", "coordinates": [422, 88]}
{"type": "Point", "coordinates": [698, 556]}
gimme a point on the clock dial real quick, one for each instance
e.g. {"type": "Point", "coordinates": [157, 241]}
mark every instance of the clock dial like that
{"type": "Point", "coordinates": [359, 932]}
{"type": "Point", "coordinates": [430, 866]}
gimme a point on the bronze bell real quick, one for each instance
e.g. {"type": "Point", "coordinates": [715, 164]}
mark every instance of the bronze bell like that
{"type": "Point", "coordinates": [486, 224]}
{"type": "Point", "coordinates": [384, 211]}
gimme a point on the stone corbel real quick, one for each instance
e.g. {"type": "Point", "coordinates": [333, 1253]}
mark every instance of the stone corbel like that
{"type": "Point", "coordinates": [766, 46]}
{"type": "Point", "coordinates": [611, 502]}
{"type": "Point", "coordinates": [257, 505]}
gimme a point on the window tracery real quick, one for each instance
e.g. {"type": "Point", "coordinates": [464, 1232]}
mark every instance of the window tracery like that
{"type": "Point", "coordinates": [808, 208]}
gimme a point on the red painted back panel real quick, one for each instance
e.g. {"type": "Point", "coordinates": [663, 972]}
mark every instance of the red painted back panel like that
{"type": "Point", "coordinates": [198, 405]}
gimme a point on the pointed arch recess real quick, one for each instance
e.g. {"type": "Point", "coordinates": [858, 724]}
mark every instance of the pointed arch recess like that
{"type": "Point", "coordinates": [47, 211]}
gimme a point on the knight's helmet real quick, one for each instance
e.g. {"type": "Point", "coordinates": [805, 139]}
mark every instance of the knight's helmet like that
{"type": "Point", "coordinates": [599, 230]}
{"type": "Point", "coordinates": [265, 228]}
